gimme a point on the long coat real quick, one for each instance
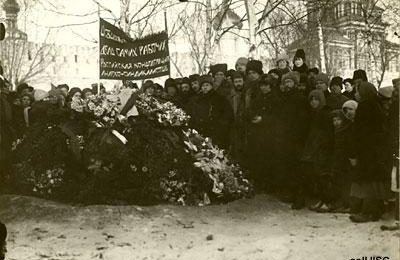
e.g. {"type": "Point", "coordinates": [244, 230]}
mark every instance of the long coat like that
{"type": "Point", "coordinates": [212, 116]}
{"type": "Point", "coordinates": [371, 141]}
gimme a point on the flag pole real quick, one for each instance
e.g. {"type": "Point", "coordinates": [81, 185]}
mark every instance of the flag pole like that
{"type": "Point", "coordinates": [166, 30]}
{"type": "Point", "coordinates": [98, 81]}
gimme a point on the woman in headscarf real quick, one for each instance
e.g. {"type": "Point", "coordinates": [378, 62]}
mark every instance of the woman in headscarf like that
{"type": "Point", "coordinates": [317, 154]}
{"type": "Point", "coordinates": [370, 140]}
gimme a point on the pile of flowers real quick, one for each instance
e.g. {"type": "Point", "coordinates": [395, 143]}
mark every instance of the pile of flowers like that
{"type": "Point", "coordinates": [46, 182]}
{"type": "Point", "coordinates": [104, 109]}
{"type": "Point", "coordinates": [165, 113]}
{"type": "Point", "coordinates": [228, 178]}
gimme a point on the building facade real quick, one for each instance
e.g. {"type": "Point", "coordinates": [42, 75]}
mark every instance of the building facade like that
{"type": "Point", "coordinates": [354, 37]}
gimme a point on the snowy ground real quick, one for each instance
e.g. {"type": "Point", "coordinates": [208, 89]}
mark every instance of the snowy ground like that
{"type": "Point", "coordinates": [258, 228]}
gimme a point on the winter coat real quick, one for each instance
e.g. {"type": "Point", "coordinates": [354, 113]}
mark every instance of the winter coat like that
{"type": "Point", "coordinates": [319, 145]}
{"type": "Point", "coordinates": [343, 148]}
{"type": "Point", "coordinates": [350, 95]}
{"type": "Point", "coordinates": [238, 132]}
{"type": "Point", "coordinates": [292, 123]}
{"type": "Point", "coordinates": [212, 116]}
{"type": "Point", "coordinates": [371, 141]}
{"type": "Point", "coordinates": [226, 90]}
{"type": "Point", "coordinates": [303, 69]}
{"type": "Point", "coordinates": [335, 101]}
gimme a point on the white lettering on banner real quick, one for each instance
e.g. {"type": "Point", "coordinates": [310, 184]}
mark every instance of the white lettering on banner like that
{"type": "Point", "coordinates": [151, 63]}
{"type": "Point", "coordinates": [126, 52]}
{"type": "Point", "coordinates": [107, 50]}
{"type": "Point", "coordinates": [106, 33]}
{"type": "Point", "coordinates": [115, 65]}
{"type": "Point", "coordinates": [119, 74]}
{"type": "Point", "coordinates": [152, 48]}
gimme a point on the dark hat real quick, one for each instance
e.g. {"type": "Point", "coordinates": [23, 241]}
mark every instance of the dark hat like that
{"type": "Point", "coordinates": [158, 86]}
{"type": "Point", "coordinates": [336, 81]}
{"type": "Point", "coordinates": [242, 60]}
{"type": "Point", "coordinates": [23, 86]}
{"type": "Point", "coordinates": [338, 113]}
{"type": "Point", "coordinates": [300, 54]}
{"type": "Point", "coordinates": [348, 80]}
{"type": "Point", "coordinates": [72, 92]}
{"type": "Point", "coordinates": [178, 80]}
{"type": "Point", "coordinates": [218, 68]}
{"type": "Point", "coordinates": [206, 79]}
{"type": "Point", "coordinates": [236, 75]}
{"type": "Point", "coordinates": [293, 75]}
{"type": "Point", "coordinates": [194, 77]}
{"type": "Point", "coordinates": [170, 83]}
{"type": "Point", "coordinates": [185, 80]}
{"type": "Point", "coordinates": [64, 86]}
{"type": "Point", "coordinates": [314, 70]}
{"type": "Point", "coordinates": [86, 90]}
{"type": "Point", "coordinates": [255, 65]}
{"type": "Point", "coordinates": [360, 74]}
{"type": "Point", "coordinates": [322, 77]}
{"type": "Point", "coordinates": [267, 80]}
{"type": "Point", "coordinates": [229, 73]}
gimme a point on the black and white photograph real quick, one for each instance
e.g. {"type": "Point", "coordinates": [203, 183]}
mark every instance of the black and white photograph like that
{"type": "Point", "coordinates": [199, 129]}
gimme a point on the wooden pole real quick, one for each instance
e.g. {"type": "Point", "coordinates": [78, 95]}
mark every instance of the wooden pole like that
{"type": "Point", "coordinates": [166, 30]}
{"type": "Point", "coordinates": [98, 81]}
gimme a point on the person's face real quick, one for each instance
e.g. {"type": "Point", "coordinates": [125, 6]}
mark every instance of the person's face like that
{"type": "Point", "coordinates": [229, 79]}
{"type": "Point", "coordinates": [349, 113]}
{"type": "Point", "coordinates": [265, 89]}
{"type": "Point", "coordinates": [337, 122]}
{"type": "Point", "coordinates": [17, 102]}
{"type": "Point", "coordinates": [53, 99]}
{"type": "Point", "coordinates": [25, 101]}
{"type": "Point", "coordinates": [238, 83]}
{"type": "Point", "coordinates": [179, 85]}
{"type": "Point", "coordinates": [241, 68]}
{"type": "Point", "coordinates": [314, 102]}
{"type": "Point", "coordinates": [252, 75]}
{"type": "Point", "coordinates": [171, 91]}
{"type": "Point", "coordinates": [64, 91]}
{"type": "Point", "coordinates": [320, 85]}
{"type": "Point", "coordinates": [195, 86]}
{"type": "Point", "coordinates": [150, 91]}
{"type": "Point", "coordinates": [25, 91]}
{"type": "Point", "coordinates": [298, 62]}
{"type": "Point", "coordinates": [282, 64]}
{"type": "Point", "coordinates": [289, 84]}
{"type": "Point", "coordinates": [348, 87]}
{"type": "Point", "coordinates": [206, 87]}
{"type": "Point", "coordinates": [88, 94]}
{"type": "Point", "coordinates": [336, 89]}
{"type": "Point", "coordinates": [185, 88]}
{"type": "Point", "coordinates": [158, 92]}
{"type": "Point", "coordinates": [219, 76]}
{"type": "Point", "coordinates": [77, 95]}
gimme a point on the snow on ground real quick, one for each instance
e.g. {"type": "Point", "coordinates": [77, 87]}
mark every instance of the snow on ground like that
{"type": "Point", "coordinates": [258, 228]}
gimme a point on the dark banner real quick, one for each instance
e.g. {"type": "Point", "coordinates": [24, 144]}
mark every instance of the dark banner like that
{"type": "Point", "coordinates": [123, 58]}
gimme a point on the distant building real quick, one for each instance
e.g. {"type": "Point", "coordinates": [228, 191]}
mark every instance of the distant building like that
{"type": "Point", "coordinates": [350, 41]}
{"type": "Point", "coordinates": [41, 63]}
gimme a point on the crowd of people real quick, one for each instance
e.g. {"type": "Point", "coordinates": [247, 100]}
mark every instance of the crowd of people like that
{"type": "Point", "coordinates": [329, 143]}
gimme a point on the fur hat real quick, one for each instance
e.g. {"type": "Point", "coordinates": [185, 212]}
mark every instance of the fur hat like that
{"type": "Point", "coordinates": [318, 94]}
{"type": "Point", "coordinates": [206, 79]}
{"type": "Point", "coordinates": [229, 73]}
{"type": "Point", "coordinates": [63, 86]}
{"type": "Point", "coordinates": [336, 81]}
{"type": "Point", "coordinates": [322, 77]}
{"type": "Point", "coordinates": [242, 61]}
{"type": "Point", "coordinates": [185, 80]}
{"type": "Point", "coordinates": [72, 92]}
{"type": "Point", "coordinates": [350, 104]}
{"type": "Point", "coordinates": [267, 79]}
{"type": "Point", "coordinates": [194, 77]}
{"type": "Point", "coordinates": [40, 94]}
{"type": "Point", "coordinates": [282, 56]}
{"type": "Point", "coordinates": [360, 74]}
{"type": "Point", "coordinates": [218, 68]}
{"type": "Point", "coordinates": [170, 83]}
{"type": "Point", "coordinates": [386, 92]}
{"type": "Point", "coordinates": [292, 75]}
{"type": "Point", "coordinates": [255, 65]}
{"type": "Point", "coordinates": [236, 75]}
{"type": "Point", "coordinates": [313, 70]}
{"type": "Point", "coordinates": [23, 86]}
{"type": "Point", "coordinates": [300, 54]}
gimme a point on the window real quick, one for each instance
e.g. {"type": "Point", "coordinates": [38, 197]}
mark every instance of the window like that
{"type": "Point", "coordinates": [65, 59]}
{"type": "Point", "coordinates": [29, 55]}
{"type": "Point", "coordinates": [53, 59]}
{"type": "Point", "coordinates": [76, 58]}
{"type": "Point", "coordinates": [347, 9]}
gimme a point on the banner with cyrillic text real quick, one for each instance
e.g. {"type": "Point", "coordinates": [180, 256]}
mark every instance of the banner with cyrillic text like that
{"type": "Point", "coordinates": [123, 58]}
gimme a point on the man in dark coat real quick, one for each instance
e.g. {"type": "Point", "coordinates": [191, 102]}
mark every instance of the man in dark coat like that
{"type": "Point", "coordinates": [371, 146]}
{"type": "Point", "coordinates": [238, 133]}
{"type": "Point", "coordinates": [212, 115]}
{"type": "Point", "coordinates": [292, 122]}
{"type": "Point", "coordinates": [221, 85]}
{"type": "Point", "coordinates": [335, 98]}
{"type": "Point", "coordinates": [262, 135]}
